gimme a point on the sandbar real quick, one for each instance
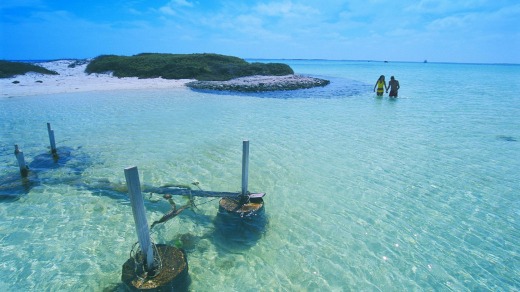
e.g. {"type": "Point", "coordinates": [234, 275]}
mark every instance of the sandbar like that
{"type": "Point", "coordinates": [74, 79]}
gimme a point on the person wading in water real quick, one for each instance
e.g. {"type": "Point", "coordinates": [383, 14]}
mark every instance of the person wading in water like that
{"type": "Point", "coordinates": [394, 87]}
{"type": "Point", "coordinates": [381, 85]}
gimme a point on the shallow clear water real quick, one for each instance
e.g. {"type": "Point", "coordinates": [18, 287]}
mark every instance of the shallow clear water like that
{"type": "Point", "coordinates": [363, 193]}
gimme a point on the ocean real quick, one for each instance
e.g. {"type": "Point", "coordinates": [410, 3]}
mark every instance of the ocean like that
{"type": "Point", "coordinates": [362, 193]}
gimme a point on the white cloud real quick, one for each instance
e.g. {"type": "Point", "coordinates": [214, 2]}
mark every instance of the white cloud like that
{"type": "Point", "coordinates": [447, 6]}
{"type": "Point", "coordinates": [365, 29]}
{"type": "Point", "coordinates": [449, 23]}
{"type": "Point", "coordinates": [173, 7]}
{"type": "Point", "coordinates": [183, 3]}
{"type": "Point", "coordinates": [284, 9]}
{"type": "Point", "coordinates": [168, 10]}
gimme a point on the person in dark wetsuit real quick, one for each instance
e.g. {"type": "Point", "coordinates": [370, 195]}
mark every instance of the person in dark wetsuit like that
{"type": "Point", "coordinates": [381, 85]}
{"type": "Point", "coordinates": [394, 87]}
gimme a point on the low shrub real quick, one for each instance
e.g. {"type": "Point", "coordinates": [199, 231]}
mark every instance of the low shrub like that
{"type": "Point", "coordinates": [10, 69]}
{"type": "Point", "coordinates": [183, 66]}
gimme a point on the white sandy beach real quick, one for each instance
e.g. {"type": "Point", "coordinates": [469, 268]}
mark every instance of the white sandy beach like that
{"type": "Point", "coordinates": [76, 80]}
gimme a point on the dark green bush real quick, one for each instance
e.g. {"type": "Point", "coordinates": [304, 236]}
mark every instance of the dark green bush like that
{"type": "Point", "coordinates": [183, 66]}
{"type": "Point", "coordinates": [9, 69]}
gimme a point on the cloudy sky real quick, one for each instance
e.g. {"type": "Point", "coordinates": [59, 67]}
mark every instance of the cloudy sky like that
{"type": "Point", "coordinates": [475, 31]}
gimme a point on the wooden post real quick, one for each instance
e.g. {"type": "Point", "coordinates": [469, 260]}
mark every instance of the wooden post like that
{"type": "Point", "coordinates": [141, 224]}
{"type": "Point", "coordinates": [245, 166]}
{"type": "Point", "coordinates": [24, 170]}
{"type": "Point", "coordinates": [51, 138]}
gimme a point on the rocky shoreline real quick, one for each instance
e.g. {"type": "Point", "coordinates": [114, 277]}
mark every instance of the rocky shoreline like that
{"type": "Point", "coordinates": [259, 83]}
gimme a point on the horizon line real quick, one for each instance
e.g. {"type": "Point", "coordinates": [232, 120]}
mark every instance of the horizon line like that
{"type": "Point", "coordinates": [289, 59]}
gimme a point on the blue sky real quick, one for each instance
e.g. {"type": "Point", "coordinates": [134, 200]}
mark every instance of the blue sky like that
{"type": "Point", "coordinates": [474, 31]}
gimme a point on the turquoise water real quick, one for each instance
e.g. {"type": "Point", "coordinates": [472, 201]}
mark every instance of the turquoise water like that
{"type": "Point", "coordinates": [363, 193]}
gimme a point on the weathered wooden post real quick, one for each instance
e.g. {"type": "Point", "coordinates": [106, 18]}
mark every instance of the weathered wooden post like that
{"type": "Point", "coordinates": [141, 224]}
{"type": "Point", "coordinates": [24, 170]}
{"type": "Point", "coordinates": [242, 219]}
{"type": "Point", "coordinates": [51, 138]}
{"type": "Point", "coordinates": [170, 271]}
{"type": "Point", "coordinates": [245, 166]}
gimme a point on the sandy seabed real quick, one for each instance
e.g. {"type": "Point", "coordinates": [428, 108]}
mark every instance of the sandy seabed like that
{"type": "Point", "coordinates": [76, 80]}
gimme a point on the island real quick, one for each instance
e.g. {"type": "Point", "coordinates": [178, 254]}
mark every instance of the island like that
{"type": "Point", "coordinates": [212, 71]}
{"type": "Point", "coordinates": [204, 71]}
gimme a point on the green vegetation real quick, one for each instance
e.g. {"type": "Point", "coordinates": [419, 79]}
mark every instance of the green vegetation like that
{"type": "Point", "coordinates": [9, 69]}
{"type": "Point", "coordinates": [183, 66]}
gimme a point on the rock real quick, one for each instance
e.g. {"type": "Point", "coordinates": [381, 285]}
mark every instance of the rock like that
{"type": "Point", "coordinates": [260, 83]}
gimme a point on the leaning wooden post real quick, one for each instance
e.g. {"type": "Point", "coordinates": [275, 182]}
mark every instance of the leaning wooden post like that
{"type": "Point", "coordinates": [24, 170]}
{"type": "Point", "coordinates": [51, 138]}
{"type": "Point", "coordinates": [141, 224]}
{"type": "Point", "coordinates": [170, 271]}
{"type": "Point", "coordinates": [245, 166]}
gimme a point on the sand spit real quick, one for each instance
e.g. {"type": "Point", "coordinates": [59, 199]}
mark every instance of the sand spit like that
{"type": "Point", "coordinates": [74, 79]}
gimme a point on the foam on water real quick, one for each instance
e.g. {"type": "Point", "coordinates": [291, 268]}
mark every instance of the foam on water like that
{"type": "Point", "coordinates": [362, 193]}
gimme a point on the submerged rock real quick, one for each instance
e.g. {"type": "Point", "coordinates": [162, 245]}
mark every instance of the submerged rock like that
{"type": "Point", "coordinates": [259, 83]}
